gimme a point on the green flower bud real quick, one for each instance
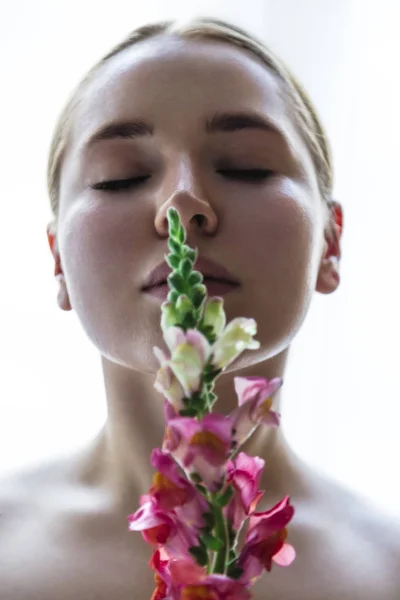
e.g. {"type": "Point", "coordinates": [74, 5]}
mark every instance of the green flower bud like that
{"type": "Point", "coordinates": [169, 315]}
{"type": "Point", "coordinates": [184, 304]}
{"type": "Point", "coordinates": [190, 253]}
{"type": "Point", "coordinates": [173, 260]}
{"type": "Point", "coordinates": [176, 282]}
{"type": "Point", "coordinates": [173, 296]}
{"type": "Point", "coordinates": [173, 220]}
{"type": "Point", "coordinates": [185, 267]}
{"type": "Point", "coordinates": [181, 234]}
{"type": "Point", "coordinates": [197, 294]}
{"type": "Point", "coordinates": [174, 246]}
{"type": "Point", "coordinates": [195, 277]}
{"type": "Point", "coordinates": [214, 315]}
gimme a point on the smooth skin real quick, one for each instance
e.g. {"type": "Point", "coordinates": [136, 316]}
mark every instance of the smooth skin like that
{"type": "Point", "coordinates": [249, 199]}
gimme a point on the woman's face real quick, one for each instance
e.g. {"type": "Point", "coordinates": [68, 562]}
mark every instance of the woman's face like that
{"type": "Point", "coordinates": [265, 226]}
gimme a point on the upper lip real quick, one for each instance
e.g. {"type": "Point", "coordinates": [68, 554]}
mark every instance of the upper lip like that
{"type": "Point", "coordinates": [207, 267]}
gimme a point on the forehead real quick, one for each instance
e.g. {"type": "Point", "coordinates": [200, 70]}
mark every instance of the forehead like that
{"type": "Point", "coordinates": [176, 82]}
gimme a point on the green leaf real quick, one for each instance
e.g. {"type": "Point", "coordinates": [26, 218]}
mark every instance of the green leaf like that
{"type": "Point", "coordinates": [190, 253]}
{"type": "Point", "coordinates": [211, 542]}
{"type": "Point", "coordinates": [173, 260]}
{"type": "Point", "coordinates": [195, 278]}
{"type": "Point", "coordinates": [181, 234]}
{"type": "Point", "coordinates": [176, 281]}
{"type": "Point", "coordinates": [226, 497]}
{"type": "Point", "coordinates": [188, 412]}
{"type": "Point", "coordinates": [189, 322]}
{"type": "Point", "coordinates": [209, 519]}
{"type": "Point", "coordinates": [234, 572]}
{"type": "Point", "coordinates": [197, 294]}
{"type": "Point", "coordinates": [195, 477]}
{"type": "Point", "coordinates": [210, 373]}
{"type": "Point", "coordinates": [201, 488]}
{"type": "Point", "coordinates": [208, 378]}
{"type": "Point", "coordinates": [200, 554]}
{"type": "Point", "coordinates": [231, 533]}
{"type": "Point", "coordinates": [185, 268]}
{"type": "Point", "coordinates": [173, 220]}
{"type": "Point", "coordinates": [173, 296]}
{"type": "Point", "coordinates": [232, 555]}
{"type": "Point", "coordinates": [174, 246]}
{"type": "Point", "coordinates": [207, 329]}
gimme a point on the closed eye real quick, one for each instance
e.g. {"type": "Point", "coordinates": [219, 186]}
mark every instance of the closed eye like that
{"type": "Point", "coordinates": [247, 175]}
{"type": "Point", "coordinates": [120, 184]}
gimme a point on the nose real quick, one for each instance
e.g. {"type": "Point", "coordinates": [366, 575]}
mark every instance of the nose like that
{"type": "Point", "coordinates": [189, 199]}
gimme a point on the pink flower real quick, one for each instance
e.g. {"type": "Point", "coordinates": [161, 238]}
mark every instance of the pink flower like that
{"type": "Point", "coordinates": [254, 404]}
{"type": "Point", "coordinates": [193, 583]}
{"type": "Point", "coordinates": [170, 487]}
{"type": "Point", "coordinates": [169, 386]}
{"type": "Point", "coordinates": [183, 579]}
{"type": "Point", "coordinates": [162, 577]}
{"type": "Point", "coordinates": [265, 542]}
{"type": "Point", "coordinates": [189, 352]}
{"type": "Point", "coordinates": [244, 474]}
{"type": "Point", "coordinates": [172, 438]}
{"type": "Point", "coordinates": [160, 528]}
{"type": "Point", "coordinates": [201, 446]}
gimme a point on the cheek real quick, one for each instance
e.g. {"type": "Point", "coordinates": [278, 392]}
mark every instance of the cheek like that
{"type": "Point", "coordinates": [277, 245]}
{"type": "Point", "coordinates": [277, 233]}
{"type": "Point", "coordinates": [98, 246]}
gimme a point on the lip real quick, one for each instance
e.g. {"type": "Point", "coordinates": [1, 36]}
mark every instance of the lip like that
{"type": "Point", "coordinates": [211, 271]}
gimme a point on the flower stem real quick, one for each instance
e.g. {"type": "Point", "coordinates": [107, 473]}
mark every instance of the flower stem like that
{"type": "Point", "coordinates": [236, 451]}
{"type": "Point", "coordinates": [221, 532]}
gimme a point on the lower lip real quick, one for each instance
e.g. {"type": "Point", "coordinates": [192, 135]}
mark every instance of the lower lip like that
{"type": "Point", "coordinates": [214, 288]}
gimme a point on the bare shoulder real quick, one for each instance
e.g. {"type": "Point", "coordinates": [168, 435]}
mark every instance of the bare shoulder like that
{"type": "Point", "coordinates": [18, 515]}
{"type": "Point", "coordinates": [21, 499]}
{"type": "Point", "coordinates": [346, 548]}
{"type": "Point", "coordinates": [28, 504]}
{"type": "Point", "coordinates": [368, 538]}
{"type": "Point", "coordinates": [67, 539]}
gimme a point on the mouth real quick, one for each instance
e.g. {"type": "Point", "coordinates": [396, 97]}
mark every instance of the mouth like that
{"type": "Point", "coordinates": [214, 286]}
{"type": "Point", "coordinates": [217, 279]}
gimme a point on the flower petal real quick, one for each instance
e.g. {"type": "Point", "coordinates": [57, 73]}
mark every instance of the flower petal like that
{"type": "Point", "coordinates": [186, 572]}
{"type": "Point", "coordinates": [214, 315]}
{"type": "Point", "coordinates": [173, 337]}
{"type": "Point", "coordinates": [250, 388]}
{"type": "Point", "coordinates": [169, 386]}
{"type": "Point", "coordinates": [285, 556]}
{"type": "Point", "coordinates": [236, 337]}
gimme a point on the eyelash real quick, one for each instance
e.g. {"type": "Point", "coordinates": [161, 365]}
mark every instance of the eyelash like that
{"type": "Point", "coordinates": [245, 175]}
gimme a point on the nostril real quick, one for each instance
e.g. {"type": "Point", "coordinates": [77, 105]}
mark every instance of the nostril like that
{"type": "Point", "coordinates": [200, 219]}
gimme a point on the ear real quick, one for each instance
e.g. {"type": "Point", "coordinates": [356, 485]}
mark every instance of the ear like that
{"type": "Point", "coordinates": [62, 296]}
{"type": "Point", "coordinates": [329, 276]}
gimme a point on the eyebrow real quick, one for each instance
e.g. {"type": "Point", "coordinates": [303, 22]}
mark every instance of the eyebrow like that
{"type": "Point", "coordinates": [220, 122]}
{"type": "Point", "coordinates": [237, 121]}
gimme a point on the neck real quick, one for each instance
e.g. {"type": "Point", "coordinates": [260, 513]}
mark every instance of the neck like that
{"type": "Point", "coordinates": [119, 460]}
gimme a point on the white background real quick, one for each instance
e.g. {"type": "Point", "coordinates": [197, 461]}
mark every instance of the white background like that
{"type": "Point", "coordinates": [342, 391]}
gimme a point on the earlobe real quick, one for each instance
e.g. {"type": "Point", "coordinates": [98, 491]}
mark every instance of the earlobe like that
{"type": "Point", "coordinates": [62, 295]}
{"type": "Point", "coordinates": [329, 277]}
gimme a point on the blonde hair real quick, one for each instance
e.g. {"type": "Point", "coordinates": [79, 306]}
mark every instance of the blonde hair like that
{"type": "Point", "coordinates": [203, 29]}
